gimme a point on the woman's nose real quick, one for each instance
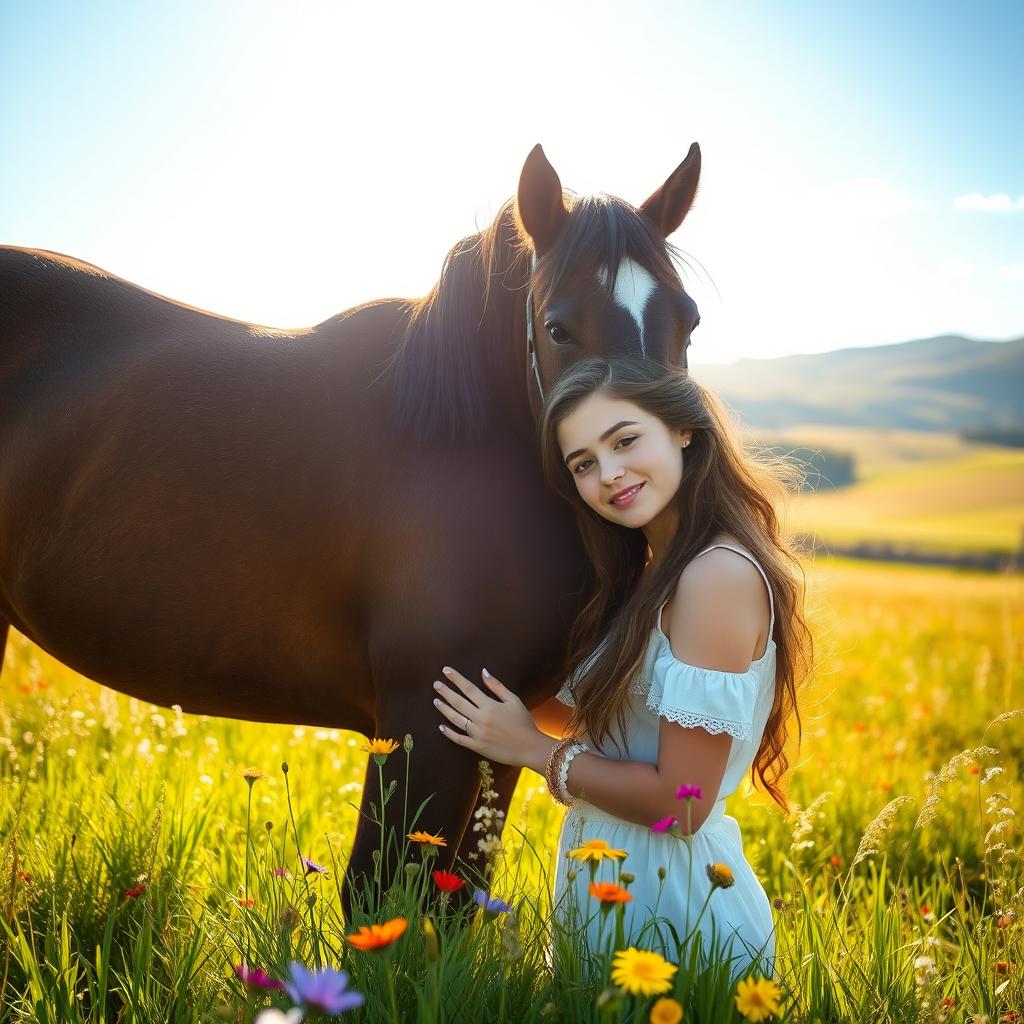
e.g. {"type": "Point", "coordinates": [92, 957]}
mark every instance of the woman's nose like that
{"type": "Point", "coordinates": [611, 471]}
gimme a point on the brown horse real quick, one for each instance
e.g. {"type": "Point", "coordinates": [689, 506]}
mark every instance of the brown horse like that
{"type": "Point", "coordinates": [303, 526]}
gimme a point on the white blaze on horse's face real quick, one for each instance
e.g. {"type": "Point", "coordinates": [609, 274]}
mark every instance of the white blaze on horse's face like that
{"type": "Point", "coordinates": [633, 287]}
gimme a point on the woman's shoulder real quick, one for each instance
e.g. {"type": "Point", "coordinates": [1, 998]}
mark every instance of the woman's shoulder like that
{"type": "Point", "coordinates": [722, 565]}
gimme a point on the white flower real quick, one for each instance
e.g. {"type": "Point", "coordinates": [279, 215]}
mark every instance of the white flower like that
{"type": "Point", "coordinates": [272, 1016]}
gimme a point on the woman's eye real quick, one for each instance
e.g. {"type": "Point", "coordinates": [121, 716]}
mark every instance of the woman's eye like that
{"type": "Point", "coordinates": [581, 466]}
{"type": "Point", "coordinates": [625, 442]}
{"type": "Point", "coordinates": [559, 335]}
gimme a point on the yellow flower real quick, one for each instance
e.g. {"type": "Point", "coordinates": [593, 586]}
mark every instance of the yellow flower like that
{"type": "Point", "coordinates": [757, 999]}
{"type": "Point", "coordinates": [427, 839]}
{"type": "Point", "coordinates": [252, 776]}
{"type": "Point", "coordinates": [720, 876]}
{"type": "Point", "coordinates": [378, 746]}
{"type": "Point", "coordinates": [666, 1011]}
{"type": "Point", "coordinates": [641, 972]}
{"type": "Point", "coordinates": [597, 850]}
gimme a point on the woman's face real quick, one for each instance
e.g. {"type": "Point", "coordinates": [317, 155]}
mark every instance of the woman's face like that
{"type": "Point", "coordinates": [625, 462]}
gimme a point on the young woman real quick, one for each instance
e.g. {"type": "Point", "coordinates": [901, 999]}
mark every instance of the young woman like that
{"type": "Point", "coordinates": [683, 667]}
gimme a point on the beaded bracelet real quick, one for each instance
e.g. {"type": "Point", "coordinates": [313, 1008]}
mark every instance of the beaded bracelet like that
{"type": "Point", "coordinates": [560, 772]}
{"type": "Point", "coordinates": [557, 750]}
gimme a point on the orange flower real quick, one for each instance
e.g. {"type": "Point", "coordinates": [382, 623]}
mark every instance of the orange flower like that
{"type": "Point", "coordinates": [242, 902]}
{"type": "Point", "coordinates": [378, 936]}
{"type": "Point", "coordinates": [609, 892]}
{"type": "Point", "coordinates": [135, 892]}
{"type": "Point", "coordinates": [1002, 967]}
{"type": "Point", "coordinates": [836, 861]}
{"type": "Point", "coordinates": [427, 839]}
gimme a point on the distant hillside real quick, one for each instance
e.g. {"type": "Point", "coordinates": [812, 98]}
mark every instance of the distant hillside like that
{"type": "Point", "coordinates": [941, 384]}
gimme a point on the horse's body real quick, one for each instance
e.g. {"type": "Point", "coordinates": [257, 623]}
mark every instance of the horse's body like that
{"type": "Point", "coordinates": [245, 522]}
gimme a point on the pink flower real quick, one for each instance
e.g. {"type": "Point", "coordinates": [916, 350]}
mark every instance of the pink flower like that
{"type": "Point", "coordinates": [282, 873]}
{"type": "Point", "coordinates": [664, 825]}
{"type": "Point", "coordinates": [256, 978]}
{"type": "Point", "coordinates": [685, 792]}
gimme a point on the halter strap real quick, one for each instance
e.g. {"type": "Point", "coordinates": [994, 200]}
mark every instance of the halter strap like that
{"type": "Point", "coordinates": [531, 343]}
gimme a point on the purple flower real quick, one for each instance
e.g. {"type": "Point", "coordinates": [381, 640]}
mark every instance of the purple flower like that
{"type": "Point", "coordinates": [257, 978]}
{"type": "Point", "coordinates": [491, 904]}
{"type": "Point", "coordinates": [326, 990]}
{"type": "Point", "coordinates": [664, 825]}
{"type": "Point", "coordinates": [685, 792]}
{"type": "Point", "coordinates": [313, 869]}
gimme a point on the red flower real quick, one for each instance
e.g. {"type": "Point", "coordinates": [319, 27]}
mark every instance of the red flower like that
{"type": "Point", "coordinates": [836, 861]}
{"type": "Point", "coordinates": [1002, 967]}
{"type": "Point", "coordinates": [447, 882]}
{"type": "Point", "coordinates": [242, 902]}
{"type": "Point", "coordinates": [948, 1002]}
{"type": "Point", "coordinates": [135, 892]}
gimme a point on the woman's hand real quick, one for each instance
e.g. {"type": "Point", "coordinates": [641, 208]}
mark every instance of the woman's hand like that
{"type": "Point", "coordinates": [499, 728]}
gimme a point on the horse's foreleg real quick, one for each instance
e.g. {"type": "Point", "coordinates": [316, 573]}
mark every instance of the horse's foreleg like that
{"type": "Point", "coordinates": [441, 774]}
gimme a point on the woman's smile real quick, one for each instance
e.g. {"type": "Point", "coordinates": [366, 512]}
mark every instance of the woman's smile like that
{"type": "Point", "coordinates": [626, 497]}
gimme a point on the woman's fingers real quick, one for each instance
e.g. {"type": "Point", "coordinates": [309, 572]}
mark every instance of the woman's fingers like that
{"type": "Point", "coordinates": [457, 718]}
{"type": "Point", "coordinates": [470, 690]}
{"type": "Point", "coordinates": [457, 701]}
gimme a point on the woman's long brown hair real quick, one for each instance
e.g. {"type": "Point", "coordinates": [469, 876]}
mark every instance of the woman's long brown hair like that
{"type": "Point", "coordinates": [724, 489]}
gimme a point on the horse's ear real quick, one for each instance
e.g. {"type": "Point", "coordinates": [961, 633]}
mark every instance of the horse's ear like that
{"type": "Point", "coordinates": [539, 204]}
{"type": "Point", "coordinates": [667, 207]}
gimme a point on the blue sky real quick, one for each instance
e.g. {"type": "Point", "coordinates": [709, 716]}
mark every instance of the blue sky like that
{"type": "Point", "coordinates": [279, 163]}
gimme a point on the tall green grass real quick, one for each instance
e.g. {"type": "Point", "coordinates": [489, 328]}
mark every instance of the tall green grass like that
{"type": "Point", "coordinates": [132, 845]}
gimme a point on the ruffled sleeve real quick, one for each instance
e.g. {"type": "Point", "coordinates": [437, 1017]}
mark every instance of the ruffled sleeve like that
{"type": "Point", "coordinates": [703, 698]}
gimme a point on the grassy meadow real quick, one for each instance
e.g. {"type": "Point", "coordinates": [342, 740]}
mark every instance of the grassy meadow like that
{"type": "Point", "coordinates": [928, 491]}
{"type": "Point", "coordinates": [136, 875]}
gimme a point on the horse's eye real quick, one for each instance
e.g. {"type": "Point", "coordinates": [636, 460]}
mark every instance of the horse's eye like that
{"type": "Point", "coordinates": [559, 335]}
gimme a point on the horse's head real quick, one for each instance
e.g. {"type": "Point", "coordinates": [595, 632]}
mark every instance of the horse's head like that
{"type": "Point", "coordinates": [604, 282]}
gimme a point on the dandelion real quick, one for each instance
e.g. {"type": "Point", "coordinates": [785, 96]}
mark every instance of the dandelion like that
{"type": "Point", "coordinates": [688, 793]}
{"type": "Point", "coordinates": [252, 776]}
{"type": "Point", "coordinates": [257, 978]}
{"type": "Point", "coordinates": [924, 968]}
{"type": "Point", "coordinates": [720, 876]}
{"type": "Point", "coordinates": [597, 850]}
{"type": "Point", "coordinates": [313, 868]}
{"type": "Point", "coordinates": [325, 990]}
{"type": "Point", "coordinates": [490, 905]}
{"type": "Point", "coordinates": [447, 882]}
{"type": "Point", "coordinates": [426, 839]}
{"type": "Point", "coordinates": [609, 893]}
{"type": "Point", "coordinates": [666, 1011]}
{"type": "Point", "coordinates": [757, 999]}
{"type": "Point", "coordinates": [378, 936]}
{"type": "Point", "coordinates": [642, 972]}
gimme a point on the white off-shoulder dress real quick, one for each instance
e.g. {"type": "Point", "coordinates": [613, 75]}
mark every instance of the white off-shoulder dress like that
{"type": "Point", "coordinates": [737, 703]}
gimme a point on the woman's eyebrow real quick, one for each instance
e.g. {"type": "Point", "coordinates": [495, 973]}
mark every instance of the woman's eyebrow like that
{"type": "Point", "coordinates": [604, 437]}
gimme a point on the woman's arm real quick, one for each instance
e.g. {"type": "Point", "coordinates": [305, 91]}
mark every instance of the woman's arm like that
{"type": "Point", "coordinates": [715, 623]}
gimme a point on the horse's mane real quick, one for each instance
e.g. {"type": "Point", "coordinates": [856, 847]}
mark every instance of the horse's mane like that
{"type": "Point", "coordinates": [460, 337]}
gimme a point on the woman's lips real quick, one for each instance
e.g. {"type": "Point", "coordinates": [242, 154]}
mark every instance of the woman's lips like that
{"type": "Point", "coordinates": [626, 497]}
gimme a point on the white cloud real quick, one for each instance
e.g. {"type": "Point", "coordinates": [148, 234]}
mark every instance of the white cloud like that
{"type": "Point", "coordinates": [953, 270]}
{"type": "Point", "coordinates": [1014, 272]}
{"type": "Point", "coordinates": [865, 197]}
{"type": "Point", "coordinates": [998, 203]}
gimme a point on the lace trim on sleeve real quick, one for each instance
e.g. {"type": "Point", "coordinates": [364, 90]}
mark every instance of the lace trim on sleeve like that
{"type": "Point", "coordinates": [692, 720]}
{"type": "Point", "coordinates": [564, 695]}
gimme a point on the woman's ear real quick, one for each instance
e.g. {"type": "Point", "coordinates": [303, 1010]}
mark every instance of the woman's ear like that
{"type": "Point", "coordinates": [685, 437]}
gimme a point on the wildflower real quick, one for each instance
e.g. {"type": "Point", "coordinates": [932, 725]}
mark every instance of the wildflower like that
{"type": "Point", "coordinates": [1002, 967]}
{"type": "Point", "coordinates": [257, 978]}
{"type": "Point", "coordinates": [379, 936]}
{"type": "Point", "coordinates": [924, 968]}
{"type": "Point", "coordinates": [271, 1015]}
{"type": "Point", "coordinates": [778, 903]}
{"type": "Point", "coordinates": [720, 876]}
{"type": "Point", "coordinates": [379, 749]}
{"type": "Point", "coordinates": [490, 905]}
{"type": "Point", "coordinates": [26, 877]}
{"type": "Point", "coordinates": [1002, 921]}
{"type": "Point", "coordinates": [325, 990]}
{"type": "Point", "coordinates": [926, 913]}
{"type": "Point", "coordinates": [135, 891]}
{"type": "Point", "coordinates": [1010, 1017]}
{"type": "Point", "coordinates": [642, 972]}
{"type": "Point", "coordinates": [245, 902]}
{"type": "Point", "coordinates": [609, 892]}
{"type": "Point", "coordinates": [447, 882]}
{"type": "Point", "coordinates": [688, 792]}
{"type": "Point", "coordinates": [252, 775]}
{"type": "Point", "coordinates": [313, 868]}
{"type": "Point", "coordinates": [757, 999]}
{"type": "Point", "coordinates": [597, 850]}
{"type": "Point", "coordinates": [836, 861]}
{"type": "Point", "coordinates": [665, 825]}
{"type": "Point", "coordinates": [426, 839]}
{"type": "Point", "coordinates": [282, 873]}
{"type": "Point", "coordinates": [666, 1011]}
{"type": "Point", "coordinates": [627, 878]}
